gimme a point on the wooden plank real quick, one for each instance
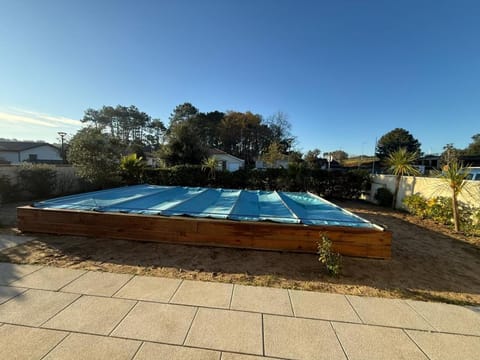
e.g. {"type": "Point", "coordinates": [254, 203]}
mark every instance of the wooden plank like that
{"type": "Point", "coordinates": [361, 242]}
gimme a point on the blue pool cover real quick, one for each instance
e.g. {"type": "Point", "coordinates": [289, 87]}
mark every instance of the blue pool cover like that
{"type": "Point", "coordinates": [241, 205]}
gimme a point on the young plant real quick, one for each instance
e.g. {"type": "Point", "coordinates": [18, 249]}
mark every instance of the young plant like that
{"type": "Point", "coordinates": [454, 177]}
{"type": "Point", "coordinates": [329, 258]}
{"type": "Point", "coordinates": [400, 164]}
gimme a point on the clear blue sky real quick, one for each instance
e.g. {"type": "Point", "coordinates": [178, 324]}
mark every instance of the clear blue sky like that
{"type": "Point", "coordinates": [345, 72]}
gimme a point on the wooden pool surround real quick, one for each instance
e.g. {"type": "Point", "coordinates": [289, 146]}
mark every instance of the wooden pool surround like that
{"type": "Point", "coordinates": [350, 241]}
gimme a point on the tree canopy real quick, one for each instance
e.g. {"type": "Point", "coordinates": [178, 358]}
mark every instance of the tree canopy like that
{"type": "Point", "coordinates": [95, 156]}
{"type": "Point", "coordinates": [474, 147]}
{"type": "Point", "coordinates": [394, 140]}
{"type": "Point", "coordinates": [128, 124]}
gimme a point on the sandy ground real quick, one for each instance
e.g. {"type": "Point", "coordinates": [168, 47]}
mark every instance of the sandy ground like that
{"type": "Point", "coordinates": [429, 262]}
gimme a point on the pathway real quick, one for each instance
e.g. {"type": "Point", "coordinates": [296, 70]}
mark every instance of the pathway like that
{"type": "Point", "coordinates": [54, 313]}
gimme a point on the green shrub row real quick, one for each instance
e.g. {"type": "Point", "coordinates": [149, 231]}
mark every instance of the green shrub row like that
{"type": "Point", "coordinates": [337, 184]}
{"type": "Point", "coordinates": [440, 210]}
{"type": "Point", "coordinates": [35, 181]}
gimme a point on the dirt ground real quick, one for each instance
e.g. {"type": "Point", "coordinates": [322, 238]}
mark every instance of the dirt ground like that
{"type": "Point", "coordinates": [429, 262]}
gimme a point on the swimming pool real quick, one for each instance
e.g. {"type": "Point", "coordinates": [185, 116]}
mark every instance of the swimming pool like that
{"type": "Point", "coordinates": [253, 219]}
{"type": "Point", "coordinates": [227, 204]}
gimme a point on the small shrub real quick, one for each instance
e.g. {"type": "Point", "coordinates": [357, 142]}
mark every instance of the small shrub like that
{"type": "Point", "coordinates": [37, 179]}
{"type": "Point", "coordinates": [331, 259]}
{"type": "Point", "coordinates": [384, 197]}
{"type": "Point", "coordinates": [416, 205]}
{"type": "Point", "coordinates": [132, 169]}
{"type": "Point", "coordinates": [8, 191]}
{"type": "Point", "coordinates": [440, 210]}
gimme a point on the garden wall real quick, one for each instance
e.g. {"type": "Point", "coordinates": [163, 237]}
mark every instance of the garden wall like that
{"type": "Point", "coordinates": [66, 179]}
{"type": "Point", "coordinates": [425, 186]}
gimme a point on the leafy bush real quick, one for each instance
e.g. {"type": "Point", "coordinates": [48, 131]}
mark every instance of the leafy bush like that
{"type": "Point", "coordinates": [8, 191]}
{"type": "Point", "coordinates": [38, 180]}
{"type": "Point", "coordinates": [332, 260]}
{"type": "Point", "coordinates": [348, 185]}
{"type": "Point", "coordinates": [384, 197]}
{"type": "Point", "coordinates": [440, 210]}
{"type": "Point", "coordinates": [416, 205]}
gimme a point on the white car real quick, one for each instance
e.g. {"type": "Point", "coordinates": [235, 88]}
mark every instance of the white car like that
{"type": "Point", "coordinates": [473, 173]}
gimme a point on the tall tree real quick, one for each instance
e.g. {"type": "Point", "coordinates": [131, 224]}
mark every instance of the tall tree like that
{"type": "Point", "coordinates": [281, 131]}
{"type": "Point", "coordinates": [207, 125]}
{"type": "Point", "coordinates": [95, 156]}
{"type": "Point", "coordinates": [449, 155]}
{"type": "Point", "coordinates": [184, 146]}
{"type": "Point", "coordinates": [128, 124]}
{"type": "Point", "coordinates": [182, 113]}
{"type": "Point", "coordinates": [243, 135]}
{"type": "Point", "coordinates": [312, 158]}
{"type": "Point", "coordinates": [400, 164]}
{"type": "Point", "coordinates": [394, 140]}
{"type": "Point", "coordinates": [474, 147]}
{"type": "Point", "coordinates": [156, 134]}
{"type": "Point", "coordinates": [273, 154]}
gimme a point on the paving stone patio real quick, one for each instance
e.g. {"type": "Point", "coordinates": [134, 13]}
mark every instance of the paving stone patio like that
{"type": "Point", "coordinates": [52, 313]}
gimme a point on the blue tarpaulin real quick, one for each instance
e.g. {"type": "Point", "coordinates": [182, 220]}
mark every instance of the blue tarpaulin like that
{"type": "Point", "coordinates": [241, 205]}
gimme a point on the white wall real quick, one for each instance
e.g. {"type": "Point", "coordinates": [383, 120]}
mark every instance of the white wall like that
{"type": "Point", "coordinates": [425, 186]}
{"type": "Point", "coordinates": [67, 180]}
{"type": "Point", "coordinates": [43, 152]}
{"type": "Point", "coordinates": [232, 164]}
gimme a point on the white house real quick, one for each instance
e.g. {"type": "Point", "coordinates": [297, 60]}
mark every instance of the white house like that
{"type": "Point", "coordinates": [226, 161]}
{"type": "Point", "coordinates": [15, 152]}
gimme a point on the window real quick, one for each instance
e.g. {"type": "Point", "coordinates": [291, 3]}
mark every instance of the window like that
{"type": "Point", "coordinates": [32, 157]}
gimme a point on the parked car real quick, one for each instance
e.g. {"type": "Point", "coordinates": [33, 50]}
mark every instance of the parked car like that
{"type": "Point", "coordinates": [473, 173]}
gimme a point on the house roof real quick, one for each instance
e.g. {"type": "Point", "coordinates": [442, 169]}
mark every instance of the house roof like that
{"type": "Point", "coordinates": [16, 146]}
{"type": "Point", "coordinates": [214, 151]}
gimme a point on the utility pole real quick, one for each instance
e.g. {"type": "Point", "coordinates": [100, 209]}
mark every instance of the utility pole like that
{"type": "Point", "coordinates": [62, 152]}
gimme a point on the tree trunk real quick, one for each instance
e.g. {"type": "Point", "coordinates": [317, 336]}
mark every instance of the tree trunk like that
{"type": "Point", "coordinates": [456, 220]}
{"type": "Point", "coordinates": [395, 193]}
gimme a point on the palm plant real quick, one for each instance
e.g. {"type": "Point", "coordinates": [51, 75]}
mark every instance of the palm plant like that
{"type": "Point", "coordinates": [210, 164]}
{"type": "Point", "coordinates": [400, 164]}
{"type": "Point", "coordinates": [454, 177]}
{"type": "Point", "coordinates": [132, 168]}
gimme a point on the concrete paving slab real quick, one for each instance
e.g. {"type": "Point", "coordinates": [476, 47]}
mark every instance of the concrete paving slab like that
{"type": "Point", "coordinates": [93, 347]}
{"type": "Point", "coordinates": [388, 312]}
{"type": "Point", "coordinates": [449, 318]}
{"type": "Point", "coordinates": [48, 278]}
{"type": "Point", "coordinates": [8, 292]}
{"type": "Point", "coordinates": [295, 338]}
{"type": "Point", "coordinates": [231, 356]}
{"type": "Point", "coordinates": [11, 240]}
{"type": "Point", "coordinates": [149, 288]}
{"type": "Point", "coordinates": [203, 293]}
{"type": "Point", "coordinates": [34, 307]}
{"type": "Point", "coordinates": [20, 342]}
{"type": "Point", "coordinates": [91, 314]}
{"type": "Point", "coordinates": [324, 306]}
{"type": "Point", "coordinates": [97, 283]}
{"type": "Point", "coordinates": [157, 322]}
{"type": "Point", "coordinates": [150, 351]}
{"type": "Point", "coordinates": [447, 346]}
{"type": "Point", "coordinates": [261, 299]}
{"type": "Point", "coordinates": [227, 330]}
{"type": "Point", "coordinates": [12, 272]}
{"type": "Point", "coordinates": [373, 342]}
